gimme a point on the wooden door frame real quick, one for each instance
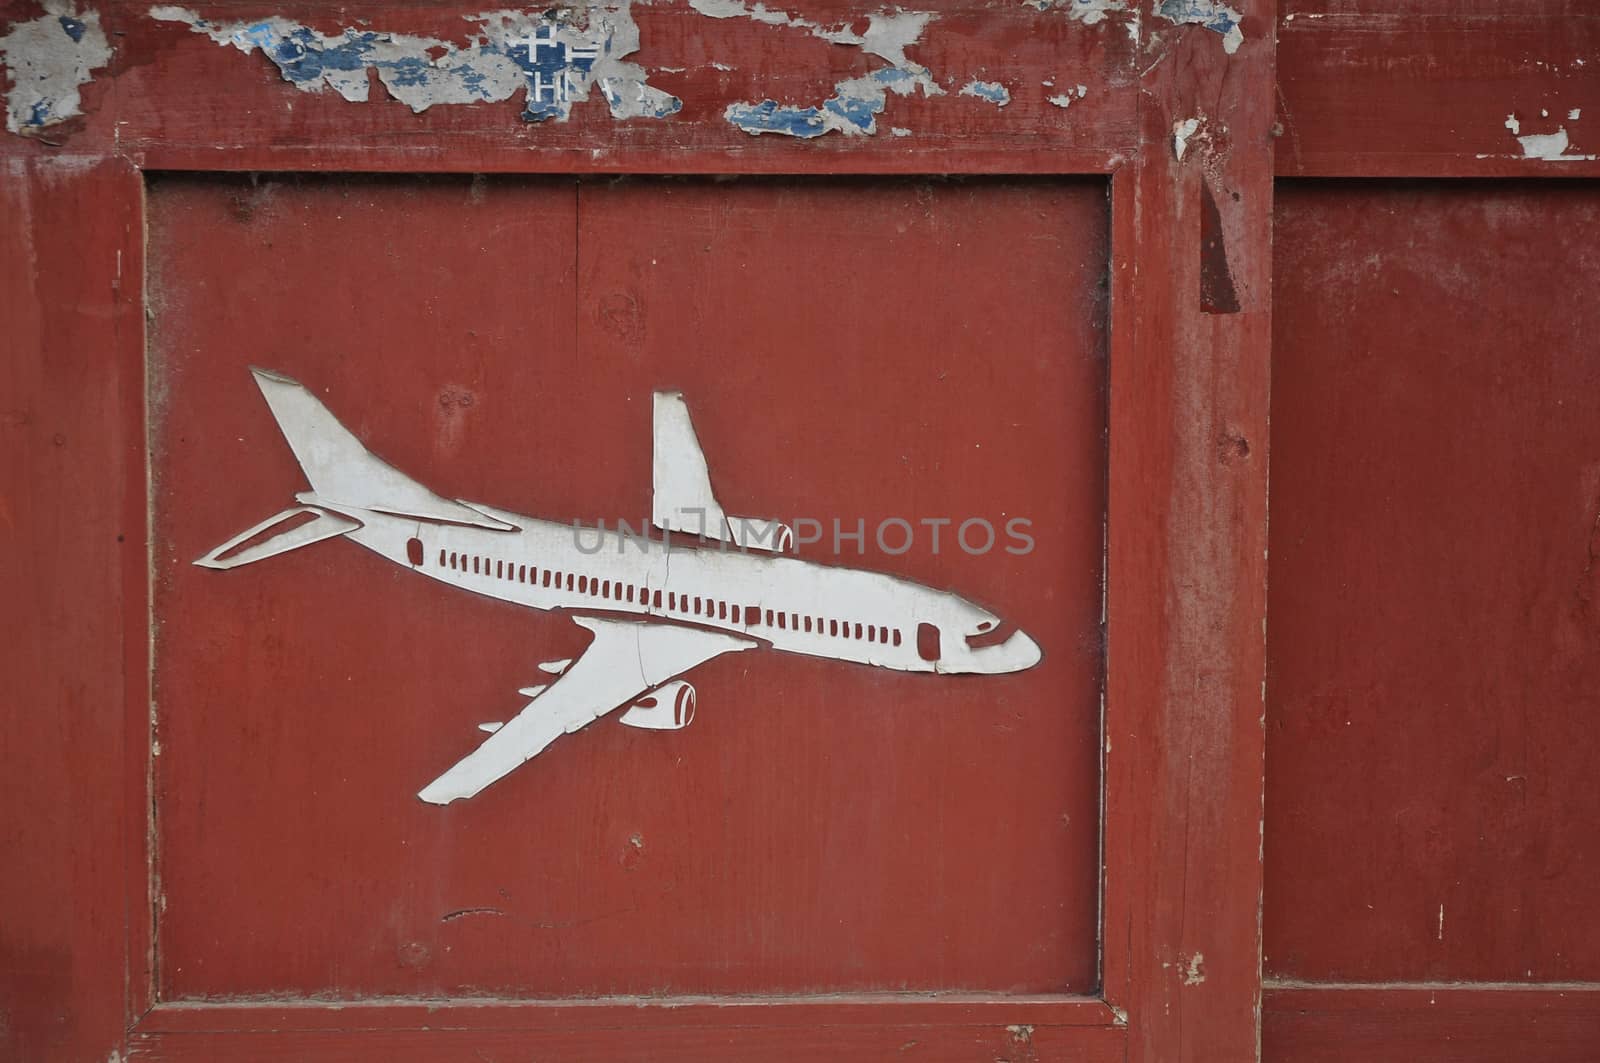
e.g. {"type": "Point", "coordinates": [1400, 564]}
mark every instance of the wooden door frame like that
{"type": "Point", "coordinates": [1184, 143]}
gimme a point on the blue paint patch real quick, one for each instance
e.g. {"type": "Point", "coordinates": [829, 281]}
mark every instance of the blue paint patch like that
{"type": "Point", "coordinates": [552, 63]}
{"type": "Point", "coordinates": [73, 27]}
{"type": "Point", "coordinates": [40, 113]}
{"type": "Point", "coordinates": [853, 108]}
{"type": "Point", "coordinates": [992, 91]}
{"type": "Point", "coordinates": [861, 113]}
{"type": "Point", "coordinates": [769, 116]}
{"type": "Point", "coordinates": [1212, 16]}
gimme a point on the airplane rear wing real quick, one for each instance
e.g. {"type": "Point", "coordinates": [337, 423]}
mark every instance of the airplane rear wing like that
{"type": "Point", "coordinates": [293, 528]}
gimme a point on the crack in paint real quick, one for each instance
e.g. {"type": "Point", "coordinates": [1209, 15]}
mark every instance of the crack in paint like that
{"type": "Point", "coordinates": [554, 58]}
{"type": "Point", "coordinates": [49, 58]}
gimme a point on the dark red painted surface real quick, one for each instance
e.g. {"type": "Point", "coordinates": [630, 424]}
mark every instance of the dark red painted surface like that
{"type": "Point", "coordinates": [849, 350]}
{"type": "Point", "coordinates": [1434, 635]}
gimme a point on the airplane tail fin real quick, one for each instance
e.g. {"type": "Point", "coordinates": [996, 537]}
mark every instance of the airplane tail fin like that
{"type": "Point", "coordinates": [343, 474]}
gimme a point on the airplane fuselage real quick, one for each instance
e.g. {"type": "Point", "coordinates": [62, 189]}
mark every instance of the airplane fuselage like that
{"type": "Point", "coordinates": [786, 603]}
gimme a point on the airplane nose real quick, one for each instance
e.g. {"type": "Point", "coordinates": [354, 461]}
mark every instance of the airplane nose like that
{"type": "Point", "coordinates": [1021, 651]}
{"type": "Point", "coordinates": [1015, 654]}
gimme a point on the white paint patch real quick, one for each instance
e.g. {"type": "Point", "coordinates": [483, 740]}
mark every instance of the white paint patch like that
{"type": "Point", "coordinates": [1088, 12]}
{"type": "Point", "coordinates": [555, 58]}
{"type": "Point", "coordinates": [657, 610]}
{"type": "Point", "coordinates": [1194, 969]}
{"type": "Point", "coordinates": [899, 131]}
{"type": "Point", "coordinates": [992, 91]}
{"type": "Point", "coordinates": [1182, 132]}
{"type": "Point", "coordinates": [887, 35]}
{"type": "Point", "coordinates": [1062, 102]}
{"type": "Point", "coordinates": [1550, 147]}
{"type": "Point", "coordinates": [1513, 125]}
{"type": "Point", "coordinates": [1575, 114]}
{"type": "Point", "coordinates": [49, 59]}
{"type": "Point", "coordinates": [1212, 14]}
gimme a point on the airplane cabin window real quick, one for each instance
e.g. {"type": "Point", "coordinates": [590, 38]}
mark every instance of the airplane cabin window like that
{"type": "Point", "coordinates": [897, 636]}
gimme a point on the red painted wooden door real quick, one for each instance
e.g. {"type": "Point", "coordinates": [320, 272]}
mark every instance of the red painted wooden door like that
{"type": "Point", "coordinates": [913, 273]}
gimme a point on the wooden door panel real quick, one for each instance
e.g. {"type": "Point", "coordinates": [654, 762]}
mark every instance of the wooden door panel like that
{"type": "Point", "coordinates": [1066, 864]}
{"type": "Point", "coordinates": [1434, 658]}
{"type": "Point", "coordinates": [821, 827]}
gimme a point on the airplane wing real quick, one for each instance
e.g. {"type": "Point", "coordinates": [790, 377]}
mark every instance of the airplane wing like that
{"type": "Point", "coordinates": [626, 659]}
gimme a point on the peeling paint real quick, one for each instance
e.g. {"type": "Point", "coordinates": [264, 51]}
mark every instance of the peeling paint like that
{"type": "Point", "coordinates": [48, 59]}
{"type": "Point", "coordinates": [1214, 16]}
{"type": "Point", "coordinates": [887, 36]}
{"type": "Point", "coordinates": [1547, 147]}
{"type": "Point", "coordinates": [992, 91]}
{"type": "Point", "coordinates": [1551, 147]}
{"type": "Point", "coordinates": [1065, 99]}
{"type": "Point", "coordinates": [554, 58]}
{"type": "Point", "coordinates": [1182, 132]}
{"type": "Point", "coordinates": [854, 107]}
{"type": "Point", "coordinates": [1194, 969]}
{"type": "Point", "coordinates": [1088, 12]}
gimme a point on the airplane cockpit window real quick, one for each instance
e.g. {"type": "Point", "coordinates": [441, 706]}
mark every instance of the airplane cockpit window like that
{"type": "Point", "coordinates": [928, 642]}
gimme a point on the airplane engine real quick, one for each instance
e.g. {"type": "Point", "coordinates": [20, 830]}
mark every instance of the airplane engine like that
{"type": "Point", "coordinates": [669, 707]}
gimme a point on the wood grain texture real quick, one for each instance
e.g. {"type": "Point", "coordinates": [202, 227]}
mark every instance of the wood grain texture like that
{"type": "Point", "coordinates": [1438, 1024]}
{"type": "Point", "coordinates": [146, 105]}
{"type": "Point", "coordinates": [72, 563]}
{"type": "Point", "coordinates": [1434, 659]}
{"type": "Point", "coordinates": [1370, 88]}
{"type": "Point", "coordinates": [868, 1031]}
{"type": "Point", "coordinates": [1187, 562]}
{"type": "Point", "coordinates": [851, 351]}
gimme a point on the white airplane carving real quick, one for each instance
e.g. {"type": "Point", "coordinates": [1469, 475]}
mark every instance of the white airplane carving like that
{"type": "Point", "coordinates": [653, 621]}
